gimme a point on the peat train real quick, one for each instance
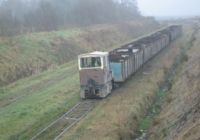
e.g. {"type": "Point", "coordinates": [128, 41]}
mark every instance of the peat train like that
{"type": "Point", "coordinates": [99, 71]}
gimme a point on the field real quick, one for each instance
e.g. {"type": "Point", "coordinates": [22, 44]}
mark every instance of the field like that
{"type": "Point", "coordinates": [30, 99]}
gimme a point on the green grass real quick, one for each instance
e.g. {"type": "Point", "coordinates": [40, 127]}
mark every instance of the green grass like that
{"type": "Point", "coordinates": [145, 123]}
{"type": "Point", "coordinates": [20, 56]}
{"type": "Point", "coordinates": [49, 35]}
{"type": "Point", "coordinates": [31, 103]}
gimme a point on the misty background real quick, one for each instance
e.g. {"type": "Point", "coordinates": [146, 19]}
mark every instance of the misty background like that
{"type": "Point", "coordinates": [19, 16]}
{"type": "Point", "coordinates": [22, 16]}
{"type": "Point", "coordinates": [169, 8]}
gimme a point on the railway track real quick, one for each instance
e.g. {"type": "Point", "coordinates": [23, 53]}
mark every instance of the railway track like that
{"type": "Point", "coordinates": [60, 126]}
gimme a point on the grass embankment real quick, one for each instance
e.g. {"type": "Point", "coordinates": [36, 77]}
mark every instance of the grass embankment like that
{"type": "Point", "coordinates": [30, 54]}
{"type": "Point", "coordinates": [165, 87]}
{"type": "Point", "coordinates": [119, 116]}
{"type": "Point", "coordinates": [33, 53]}
{"type": "Point", "coordinates": [29, 104]}
{"type": "Point", "coordinates": [179, 117]}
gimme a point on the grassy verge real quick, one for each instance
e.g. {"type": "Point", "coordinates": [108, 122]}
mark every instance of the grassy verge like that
{"type": "Point", "coordinates": [31, 103]}
{"type": "Point", "coordinates": [30, 54]}
{"type": "Point", "coordinates": [165, 87]}
{"type": "Point", "coordinates": [179, 117]}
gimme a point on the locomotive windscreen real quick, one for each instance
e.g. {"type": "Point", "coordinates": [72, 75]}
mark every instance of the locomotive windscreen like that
{"type": "Point", "coordinates": [90, 62]}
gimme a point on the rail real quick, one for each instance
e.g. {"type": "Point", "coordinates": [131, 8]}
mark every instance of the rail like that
{"type": "Point", "coordinates": [60, 126]}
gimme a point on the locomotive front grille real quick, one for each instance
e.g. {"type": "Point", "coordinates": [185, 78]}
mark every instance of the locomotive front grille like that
{"type": "Point", "coordinates": [91, 94]}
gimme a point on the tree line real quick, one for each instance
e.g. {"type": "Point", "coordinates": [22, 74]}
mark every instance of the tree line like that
{"type": "Point", "coordinates": [20, 16]}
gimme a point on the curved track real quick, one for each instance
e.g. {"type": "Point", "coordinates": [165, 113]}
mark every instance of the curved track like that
{"type": "Point", "coordinates": [57, 128]}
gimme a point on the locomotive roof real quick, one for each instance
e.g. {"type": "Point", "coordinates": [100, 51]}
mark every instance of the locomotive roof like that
{"type": "Point", "coordinates": [96, 53]}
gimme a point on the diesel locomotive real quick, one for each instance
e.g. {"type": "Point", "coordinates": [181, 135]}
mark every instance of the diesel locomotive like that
{"type": "Point", "coordinates": [99, 71]}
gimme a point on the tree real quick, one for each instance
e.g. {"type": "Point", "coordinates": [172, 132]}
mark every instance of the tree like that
{"type": "Point", "coordinates": [18, 16]}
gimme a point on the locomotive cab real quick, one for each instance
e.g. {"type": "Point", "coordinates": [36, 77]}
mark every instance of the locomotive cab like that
{"type": "Point", "coordinates": [95, 75]}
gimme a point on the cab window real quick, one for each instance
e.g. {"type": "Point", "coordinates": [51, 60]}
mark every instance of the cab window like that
{"type": "Point", "coordinates": [91, 62]}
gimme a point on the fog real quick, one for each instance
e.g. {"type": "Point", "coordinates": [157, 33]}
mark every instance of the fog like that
{"type": "Point", "coordinates": [169, 8]}
{"type": "Point", "coordinates": [20, 16]}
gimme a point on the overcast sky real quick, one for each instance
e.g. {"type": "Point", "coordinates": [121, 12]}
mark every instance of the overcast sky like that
{"type": "Point", "coordinates": [169, 7]}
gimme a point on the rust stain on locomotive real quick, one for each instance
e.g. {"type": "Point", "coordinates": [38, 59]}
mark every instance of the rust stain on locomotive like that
{"type": "Point", "coordinates": [92, 74]}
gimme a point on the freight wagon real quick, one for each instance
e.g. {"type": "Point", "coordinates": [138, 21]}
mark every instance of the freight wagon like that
{"type": "Point", "coordinates": [99, 71]}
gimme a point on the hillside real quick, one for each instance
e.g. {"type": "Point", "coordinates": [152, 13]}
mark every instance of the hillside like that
{"type": "Point", "coordinates": [30, 54]}
{"type": "Point", "coordinates": [179, 116]}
